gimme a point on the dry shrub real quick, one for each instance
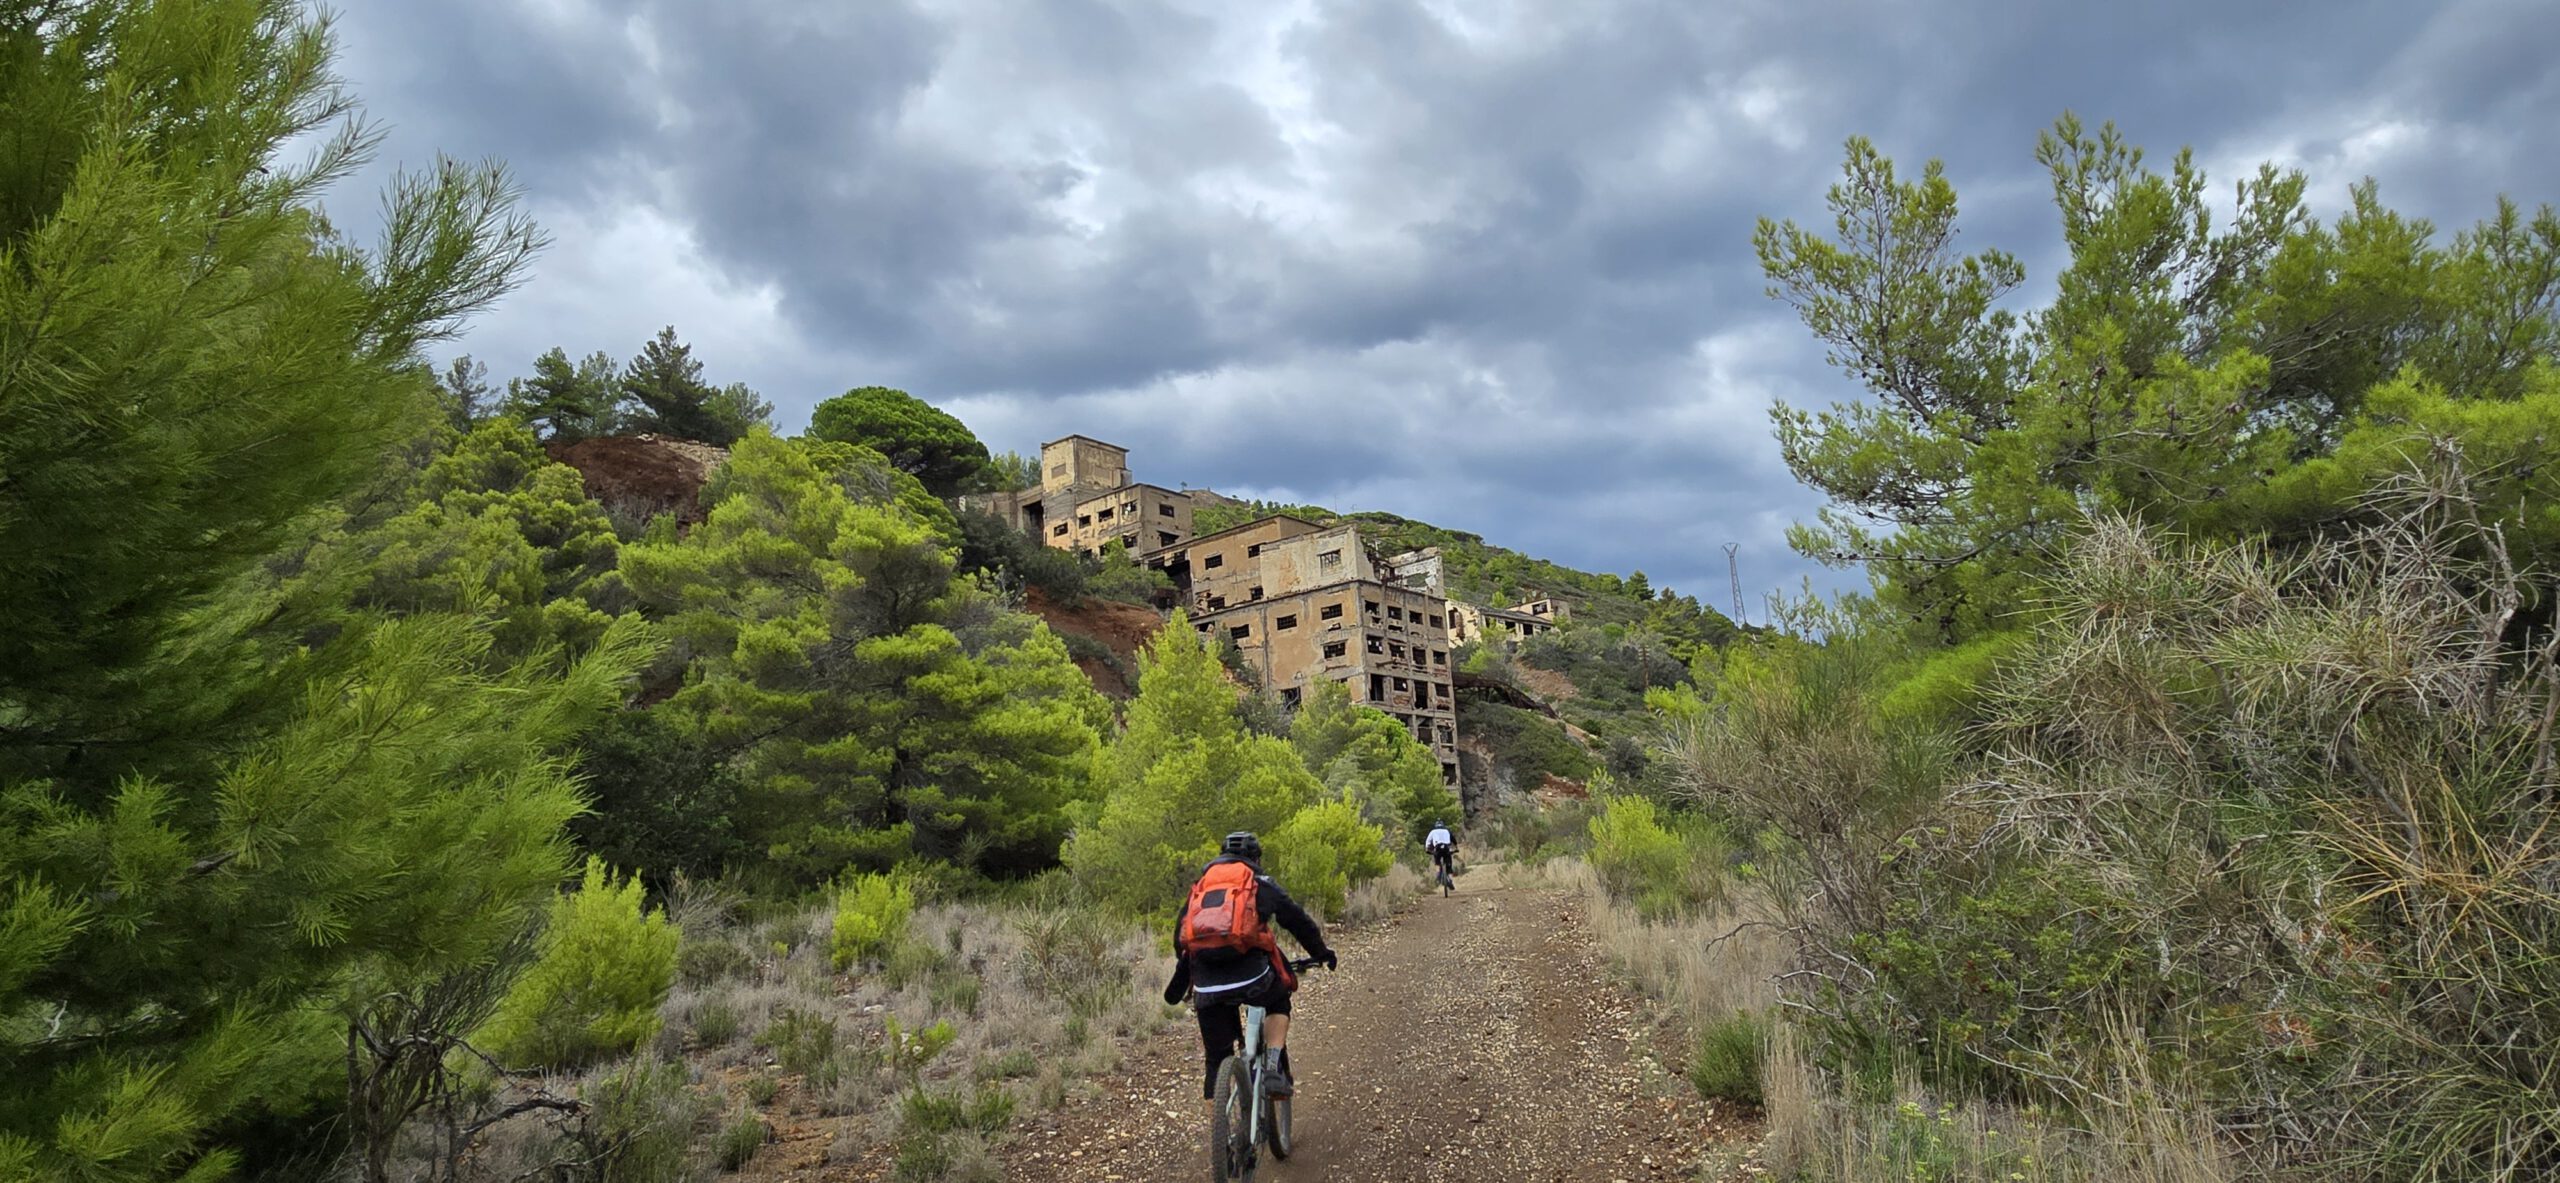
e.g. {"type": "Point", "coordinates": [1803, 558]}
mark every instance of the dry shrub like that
{"type": "Point", "coordinates": [2252, 854]}
{"type": "Point", "coordinates": [1376, 899]}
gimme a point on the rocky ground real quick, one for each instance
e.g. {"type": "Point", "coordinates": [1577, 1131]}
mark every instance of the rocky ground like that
{"type": "Point", "coordinates": [1473, 1038]}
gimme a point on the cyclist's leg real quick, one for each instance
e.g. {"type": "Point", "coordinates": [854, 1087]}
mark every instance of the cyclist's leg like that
{"type": "Point", "coordinates": [1221, 1029]}
{"type": "Point", "coordinates": [1274, 999]}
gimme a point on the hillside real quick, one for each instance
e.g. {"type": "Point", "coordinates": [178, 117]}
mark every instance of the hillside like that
{"type": "Point", "coordinates": [1480, 572]}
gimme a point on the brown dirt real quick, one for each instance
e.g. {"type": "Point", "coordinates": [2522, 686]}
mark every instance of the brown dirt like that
{"type": "Point", "coordinates": [642, 476]}
{"type": "Point", "coordinates": [1546, 684]}
{"type": "Point", "coordinates": [1120, 627]}
{"type": "Point", "coordinates": [1473, 1038]}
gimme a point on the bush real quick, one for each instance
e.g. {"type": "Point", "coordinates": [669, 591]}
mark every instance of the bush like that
{"type": "Point", "coordinates": [741, 1139]}
{"type": "Point", "coordinates": [802, 1044]}
{"type": "Point", "coordinates": [1526, 741]}
{"type": "Point", "coordinates": [716, 1023]}
{"type": "Point", "coordinates": [1639, 860]}
{"type": "Point", "coordinates": [703, 962]}
{"type": "Point", "coordinates": [606, 962]}
{"type": "Point", "coordinates": [640, 1122]}
{"type": "Point", "coordinates": [1323, 851]}
{"type": "Point", "coordinates": [871, 915]}
{"type": "Point", "coordinates": [1726, 1063]}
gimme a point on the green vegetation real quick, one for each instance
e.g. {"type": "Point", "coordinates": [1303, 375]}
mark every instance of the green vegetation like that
{"type": "Point", "coordinates": [871, 916]}
{"type": "Point", "coordinates": [923, 440]}
{"type": "Point", "coordinates": [2178, 807]}
{"type": "Point", "coordinates": [1186, 771]}
{"type": "Point", "coordinates": [660, 391]}
{"type": "Point", "coordinates": [606, 962]}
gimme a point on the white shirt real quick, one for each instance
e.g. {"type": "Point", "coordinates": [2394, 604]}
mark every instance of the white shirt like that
{"type": "Point", "coordinates": [1438, 837]}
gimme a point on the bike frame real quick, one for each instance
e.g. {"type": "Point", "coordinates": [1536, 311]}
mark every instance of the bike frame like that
{"type": "Point", "coordinates": [1260, 1105]}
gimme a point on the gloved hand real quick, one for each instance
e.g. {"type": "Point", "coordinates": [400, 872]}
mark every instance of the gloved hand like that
{"type": "Point", "coordinates": [1331, 961]}
{"type": "Point", "coordinates": [1180, 984]}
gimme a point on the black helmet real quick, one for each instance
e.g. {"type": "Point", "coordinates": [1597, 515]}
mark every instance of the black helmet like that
{"type": "Point", "coordinates": [1242, 844]}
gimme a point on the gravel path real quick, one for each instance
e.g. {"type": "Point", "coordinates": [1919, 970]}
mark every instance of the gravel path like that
{"type": "Point", "coordinates": [1472, 1038]}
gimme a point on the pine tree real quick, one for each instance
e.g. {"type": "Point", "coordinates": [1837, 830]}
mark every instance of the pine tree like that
{"type": "Point", "coordinates": [569, 401]}
{"type": "Point", "coordinates": [1364, 754]}
{"type": "Point", "coordinates": [1183, 773]}
{"type": "Point", "coordinates": [881, 711]}
{"type": "Point", "coordinates": [668, 396]}
{"type": "Point", "coordinates": [210, 860]}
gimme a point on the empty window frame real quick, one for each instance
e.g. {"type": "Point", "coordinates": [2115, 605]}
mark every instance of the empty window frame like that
{"type": "Point", "coordinates": [1328, 560]}
{"type": "Point", "coordinates": [1253, 593]}
{"type": "Point", "coordinates": [1330, 612]}
{"type": "Point", "coordinates": [1217, 603]}
{"type": "Point", "coordinates": [1439, 657]}
{"type": "Point", "coordinates": [1377, 687]}
{"type": "Point", "coordinates": [1289, 697]}
{"type": "Point", "coordinates": [1254, 551]}
{"type": "Point", "coordinates": [1377, 644]}
{"type": "Point", "coordinates": [1285, 622]}
{"type": "Point", "coordinates": [1213, 562]}
{"type": "Point", "coordinates": [1084, 519]}
{"type": "Point", "coordinates": [1058, 531]}
{"type": "Point", "coordinates": [1435, 620]}
{"type": "Point", "coordinates": [1167, 538]}
{"type": "Point", "coordinates": [1240, 632]}
{"type": "Point", "coordinates": [1336, 648]}
{"type": "Point", "coordinates": [1394, 613]}
{"type": "Point", "coordinates": [1164, 511]}
{"type": "Point", "coordinates": [1369, 606]}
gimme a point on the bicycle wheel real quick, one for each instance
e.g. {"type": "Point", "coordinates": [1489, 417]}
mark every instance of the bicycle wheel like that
{"type": "Point", "coordinates": [1277, 1127]}
{"type": "Point", "coordinates": [1229, 1157]}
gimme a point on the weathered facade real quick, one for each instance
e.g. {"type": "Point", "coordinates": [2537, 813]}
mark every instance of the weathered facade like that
{"type": "Point", "coordinates": [1468, 622]}
{"type": "Point", "coordinates": [1305, 603]}
{"type": "Point", "coordinates": [1086, 501]}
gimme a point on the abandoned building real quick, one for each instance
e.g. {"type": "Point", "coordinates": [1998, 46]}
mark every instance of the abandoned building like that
{"type": "Point", "coordinates": [1086, 501]}
{"type": "Point", "coordinates": [1300, 601]}
{"type": "Point", "coordinates": [1305, 603]}
{"type": "Point", "coordinates": [1422, 571]}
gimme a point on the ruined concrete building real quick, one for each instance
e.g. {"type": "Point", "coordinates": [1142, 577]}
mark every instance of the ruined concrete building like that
{"type": "Point", "coordinates": [1306, 603]}
{"type": "Point", "coordinates": [1086, 501]}
{"type": "Point", "coordinates": [1301, 602]}
{"type": "Point", "coordinates": [1422, 571]}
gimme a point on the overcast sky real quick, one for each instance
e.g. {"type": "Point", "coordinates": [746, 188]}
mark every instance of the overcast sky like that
{"type": "Point", "coordinates": [1483, 264]}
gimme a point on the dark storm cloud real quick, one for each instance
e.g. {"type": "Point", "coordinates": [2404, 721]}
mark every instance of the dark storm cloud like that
{"type": "Point", "coordinates": [1482, 264]}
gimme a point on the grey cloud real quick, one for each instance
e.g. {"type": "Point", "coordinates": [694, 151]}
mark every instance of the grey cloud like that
{"type": "Point", "coordinates": [1495, 276]}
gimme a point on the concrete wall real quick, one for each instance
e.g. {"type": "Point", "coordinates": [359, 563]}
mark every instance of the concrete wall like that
{"type": "Point", "coordinates": [1145, 517]}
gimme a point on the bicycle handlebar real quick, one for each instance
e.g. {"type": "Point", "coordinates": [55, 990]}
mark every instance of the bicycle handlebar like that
{"type": "Point", "coordinates": [1304, 963]}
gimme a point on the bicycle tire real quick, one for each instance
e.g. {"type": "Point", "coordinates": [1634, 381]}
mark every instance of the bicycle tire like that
{"type": "Point", "coordinates": [1278, 1131]}
{"type": "Point", "coordinates": [1229, 1162]}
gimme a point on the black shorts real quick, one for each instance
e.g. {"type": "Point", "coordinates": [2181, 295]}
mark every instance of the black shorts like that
{"type": "Point", "coordinates": [1222, 1026]}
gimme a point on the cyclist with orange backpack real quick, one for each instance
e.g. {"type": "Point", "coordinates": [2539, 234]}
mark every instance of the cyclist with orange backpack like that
{"type": "Point", "coordinates": [1228, 957]}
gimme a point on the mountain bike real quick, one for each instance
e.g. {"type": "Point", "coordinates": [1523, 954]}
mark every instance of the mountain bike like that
{"type": "Point", "coordinates": [1446, 860]}
{"type": "Point", "coordinates": [1245, 1118]}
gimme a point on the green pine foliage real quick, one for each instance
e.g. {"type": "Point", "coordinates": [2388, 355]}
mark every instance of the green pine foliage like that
{"type": "Point", "coordinates": [1363, 755]}
{"type": "Point", "coordinates": [1185, 771]}
{"type": "Point", "coordinates": [222, 837]}
{"type": "Point", "coordinates": [2187, 366]}
{"type": "Point", "coordinates": [879, 709]}
{"type": "Point", "coordinates": [923, 440]}
{"type": "Point", "coordinates": [606, 961]}
{"type": "Point", "coordinates": [871, 917]}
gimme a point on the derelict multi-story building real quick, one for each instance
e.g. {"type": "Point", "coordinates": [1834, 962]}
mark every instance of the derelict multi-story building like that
{"type": "Point", "coordinates": [1306, 603]}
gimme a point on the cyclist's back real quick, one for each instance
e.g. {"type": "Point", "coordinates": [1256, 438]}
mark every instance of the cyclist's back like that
{"type": "Point", "coordinates": [1229, 970]}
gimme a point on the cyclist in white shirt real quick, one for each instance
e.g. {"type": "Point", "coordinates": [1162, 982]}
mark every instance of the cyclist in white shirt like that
{"type": "Point", "coordinates": [1440, 845]}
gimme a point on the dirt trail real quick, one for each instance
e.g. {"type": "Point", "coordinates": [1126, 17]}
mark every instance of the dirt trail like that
{"type": "Point", "coordinates": [1472, 1038]}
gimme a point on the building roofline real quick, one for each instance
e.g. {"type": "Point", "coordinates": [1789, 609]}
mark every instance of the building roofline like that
{"type": "Point", "coordinates": [1116, 490]}
{"type": "Point", "coordinates": [1336, 585]}
{"type": "Point", "coordinates": [1079, 436]}
{"type": "Point", "coordinates": [1197, 540]}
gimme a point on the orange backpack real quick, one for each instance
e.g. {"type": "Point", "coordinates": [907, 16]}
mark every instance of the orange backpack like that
{"type": "Point", "coordinates": [1225, 916]}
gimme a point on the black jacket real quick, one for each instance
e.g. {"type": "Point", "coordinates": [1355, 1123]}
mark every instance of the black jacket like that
{"type": "Point", "coordinates": [1237, 974]}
